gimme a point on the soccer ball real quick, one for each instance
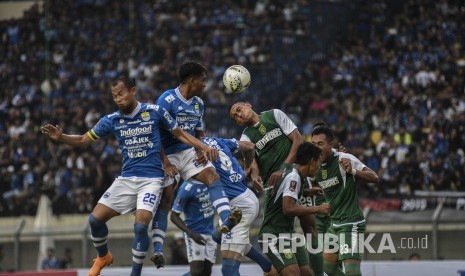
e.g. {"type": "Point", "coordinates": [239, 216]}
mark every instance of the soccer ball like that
{"type": "Point", "coordinates": [236, 79]}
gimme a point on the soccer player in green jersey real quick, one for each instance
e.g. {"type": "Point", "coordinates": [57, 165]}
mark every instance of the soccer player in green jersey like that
{"type": "Point", "coordinates": [276, 140]}
{"type": "Point", "coordinates": [337, 177]}
{"type": "Point", "coordinates": [275, 136]}
{"type": "Point", "coordinates": [281, 208]}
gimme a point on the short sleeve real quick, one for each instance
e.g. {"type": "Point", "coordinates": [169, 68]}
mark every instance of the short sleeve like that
{"type": "Point", "coordinates": [291, 186]}
{"type": "Point", "coordinates": [181, 198]}
{"type": "Point", "coordinates": [101, 129]}
{"type": "Point", "coordinates": [284, 122]}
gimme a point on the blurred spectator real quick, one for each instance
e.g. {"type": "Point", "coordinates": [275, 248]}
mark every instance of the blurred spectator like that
{"type": "Point", "coordinates": [51, 261]}
{"type": "Point", "coordinates": [370, 70]}
{"type": "Point", "coordinates": [67, 260]}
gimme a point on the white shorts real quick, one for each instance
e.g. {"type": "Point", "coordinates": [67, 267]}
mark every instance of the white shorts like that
{"type": "Point", "coordinates": [247, 202]}
{"type": "Point", "coordinates": [127, 194]}
{"type": "Point", "coordinates": [198, 252]}
{"type": "Point", "coordinates": [186, 164]}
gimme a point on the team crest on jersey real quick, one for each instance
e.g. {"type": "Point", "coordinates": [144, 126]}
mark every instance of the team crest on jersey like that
{"type": "Point", "coordinates": [292, 185]}
{"type": "Point", "coordinates": [287, 253]}
{"type": "Point", "coordinates": [324, 174]}
{"type": "Point", "coordinates": [262, 129]}
{"type": "Point", "coordinates": [197, 108]}
{"type": "Point", "coordinates": [145, 116]}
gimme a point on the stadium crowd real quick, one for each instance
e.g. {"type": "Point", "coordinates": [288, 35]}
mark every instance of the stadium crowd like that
{"type": "Point", "coordinates": [391, 83]}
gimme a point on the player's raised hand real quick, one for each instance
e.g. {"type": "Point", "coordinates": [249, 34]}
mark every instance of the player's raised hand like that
{"type": "Point", "coordinates": [53, 132]}
{"type": "Point", "coordinates": [346, 165]}
{"type": "Point", "coordinates": [198, 238]}
{"type": "Point", "coordinates": [324, 208]}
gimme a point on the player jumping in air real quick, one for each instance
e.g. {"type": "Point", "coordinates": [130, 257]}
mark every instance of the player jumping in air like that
{"type": "Point", "coordinates": [136, 127]}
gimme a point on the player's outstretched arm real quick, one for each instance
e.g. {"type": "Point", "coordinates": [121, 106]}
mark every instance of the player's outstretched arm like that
{"type": "Point", "coordinates": [291, 208]}
{"type": "Point", "coordinates": [247, 149]}
{"type": "Point", "coordinates": [190, 140]}
{"type": "Point", "coordinates": [55, 133]}
{"type": "Point", "coordinates": [176, 219]}
{"type": "Point", "coordinates": [366, 174]}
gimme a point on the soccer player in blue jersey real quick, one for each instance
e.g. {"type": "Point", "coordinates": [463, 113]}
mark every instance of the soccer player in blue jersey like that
{"type": "Point", "coordinates": [193, 200]}
{"type": "Point", "coordinates": [236, 243]}
{"type": "Point", "coordinates": [136, 127]}
{"type": "Point", "coordinates": [184, 104]}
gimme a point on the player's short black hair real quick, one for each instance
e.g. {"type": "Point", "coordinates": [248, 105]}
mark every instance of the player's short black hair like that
{"type": "Point", "coordinates": [190, 68]}
{"type": "Point", "coordinates": [323, 129]}
{"type": "Point", "coordinates": [233, 103]}
{"type": "Point", "coordinates": [319, 124]}
{"type": "Point", "coordinates": [128, 83]}
{"type": "Point", "coordinates": [306, 152]}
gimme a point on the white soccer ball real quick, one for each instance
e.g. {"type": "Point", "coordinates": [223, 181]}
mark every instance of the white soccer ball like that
{"type": "Point", "coordinates": [236, 79]}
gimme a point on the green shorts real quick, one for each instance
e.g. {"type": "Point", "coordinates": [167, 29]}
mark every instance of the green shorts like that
{"type": "Point", "coordinates": [322, 223]}
{"type": "Point", "coordinates": [347, 235]}
{"type": "Point", "coordinates": [282, 259]}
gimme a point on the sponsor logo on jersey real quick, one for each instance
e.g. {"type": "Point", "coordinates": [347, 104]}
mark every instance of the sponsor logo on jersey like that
{"type": "Point", "coordinates": [182, 119]}
{"type": "Point", "coordinates": [145, 116]}
{"type": "Point", "coordinates": [136, 131]}
{"type": "Point", "coordinates": [152, 106]}
{"type": "Point", "coordinates": [179, 107]}
{"type": "Point", "coordinates": [324, 174]}
{"type": "Point", "coordinates": [329, 183]}
{"type": "Point", "coordinates": [268, 137]}
{"type": "Point", "coordinates": [292, 185]}
{"type": "Point", "coordinates": [134, 122]}
{"type": "Point", "coordinates": [188, 187]}
{"type": "Point", "coordinates": [262, 129]}
{"type": "Point", "coordinates": [169, 98]}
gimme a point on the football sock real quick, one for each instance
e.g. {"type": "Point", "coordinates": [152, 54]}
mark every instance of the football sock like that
{"type": "Point", "coordinates": [230, 267]}
{"type": "Point", "coordinates": [352, 269]}
{"type": "Point", "coordinates": [219, 199]}
{"type": "Point", "coordinates": [99, 234]}
{"type": "Point", "coordinates": [140, 246]}
{"type": "Point", "coordinates": [159, 226]}
{"type": "Point", "coordinates": [257, 257]}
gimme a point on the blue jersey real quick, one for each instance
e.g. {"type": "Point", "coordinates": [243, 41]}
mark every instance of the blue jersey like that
{"type": "Point", "coordinates": [187, 113]}
{"type": "Point", "coordinates": [231, 173]}
{"type": "Point", "coordinates": [138, 137]}
{"type": "Point", "coordinates": [194, 201]}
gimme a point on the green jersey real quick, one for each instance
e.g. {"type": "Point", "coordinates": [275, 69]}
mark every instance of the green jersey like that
{"type": "Point", "coordinates": [272, 144]}
{"type": "Point", "coordinates": [340, 190]}
{"type": "Point", "coordinates": [274, 221]}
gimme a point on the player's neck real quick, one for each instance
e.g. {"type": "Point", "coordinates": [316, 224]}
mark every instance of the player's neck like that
{"type": "Point", "coordinates": [185, 91]}
{"type": "Point", "coordinates": [130, 109]}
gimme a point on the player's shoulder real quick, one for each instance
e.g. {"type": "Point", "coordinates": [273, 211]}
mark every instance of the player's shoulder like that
{"type": "Point", "coordinates": [198, 99]}
{"type": "Point", "coordinates": [343, 155]}
{"type": "Point", "coordinates": [111, 116]}
{"type": "Point", "coordinates": [149, 107]}
{"type": "Point", "coordinates": [168, 96]}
